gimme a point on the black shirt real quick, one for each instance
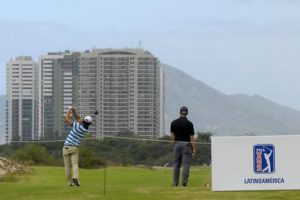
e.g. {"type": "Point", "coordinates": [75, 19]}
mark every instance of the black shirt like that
{"type": "Point", "coordinates": [182, 129]}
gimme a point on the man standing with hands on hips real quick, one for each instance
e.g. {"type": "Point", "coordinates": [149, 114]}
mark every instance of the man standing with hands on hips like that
{"type": "Point", "coordinates": [71, 145]}
{"type": "Point", "coordinates": [182, 134]}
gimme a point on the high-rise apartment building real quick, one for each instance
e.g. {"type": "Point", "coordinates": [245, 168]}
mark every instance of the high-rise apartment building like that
{"type": "Point", "coordinates": [126, 87]}
{"type": "Point", "coordinates": [87, 87]}
{"type": "Point", "coordinates": [58, 90]}
{"type": "Point", "coordinates": [21, 99]}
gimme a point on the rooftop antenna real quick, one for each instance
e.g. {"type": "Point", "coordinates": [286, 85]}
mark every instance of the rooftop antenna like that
{"type": "Point", "coordinates": [140, 44]}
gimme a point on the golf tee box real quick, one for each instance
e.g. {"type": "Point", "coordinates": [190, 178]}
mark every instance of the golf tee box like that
{"type": "Point", "coordinates": [255, 163]}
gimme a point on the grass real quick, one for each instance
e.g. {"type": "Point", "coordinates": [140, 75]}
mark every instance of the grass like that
{"type": "Point", "coordinates": [123, 183]}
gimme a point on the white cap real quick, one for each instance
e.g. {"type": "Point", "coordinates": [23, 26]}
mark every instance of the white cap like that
{"type": "Point", "coordinates": [88, 119]}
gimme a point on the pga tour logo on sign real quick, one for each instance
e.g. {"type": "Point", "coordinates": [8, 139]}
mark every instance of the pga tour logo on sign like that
{"type": "Point", "coordinates": [264, 158]}
{"type": "Point", "coordinates": [263, 164]}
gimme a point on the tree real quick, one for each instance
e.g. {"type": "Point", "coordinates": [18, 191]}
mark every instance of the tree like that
{"type": "Point", "coordinates": [203, 153]}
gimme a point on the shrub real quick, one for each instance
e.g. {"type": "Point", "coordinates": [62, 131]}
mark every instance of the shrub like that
{"type": "Point", "coordinates": [33, 154]}
{"type": "Point", "coordinates": [88, 159]}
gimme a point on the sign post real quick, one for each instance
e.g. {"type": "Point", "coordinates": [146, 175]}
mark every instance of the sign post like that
{"type": "Point", "coordinates": [255, 163]}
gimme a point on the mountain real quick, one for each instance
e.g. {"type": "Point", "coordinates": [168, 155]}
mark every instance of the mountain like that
{"type": "Point", "coordinates": [211, 110]}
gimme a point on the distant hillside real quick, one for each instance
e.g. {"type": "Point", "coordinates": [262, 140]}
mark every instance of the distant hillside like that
{"type": "Point", "coordinates": [211, 110]}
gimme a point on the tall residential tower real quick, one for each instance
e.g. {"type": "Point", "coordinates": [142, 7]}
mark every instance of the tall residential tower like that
{"type": "Point", "coordinates": [21, 99]}
{"type": "Point", "coordinates": [125, 86]}
{"type": "Point", "coordinates": [58, 90]}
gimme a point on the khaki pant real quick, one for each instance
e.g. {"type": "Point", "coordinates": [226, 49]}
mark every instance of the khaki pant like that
{"type": "Point", "coordinates": [71, 155]}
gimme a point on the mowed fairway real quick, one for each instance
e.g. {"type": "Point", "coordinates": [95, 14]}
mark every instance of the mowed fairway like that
{"type": "Point", "coordinates": [124, 183]}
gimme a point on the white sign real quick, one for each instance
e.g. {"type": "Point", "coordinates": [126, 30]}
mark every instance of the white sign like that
{"type": "Point", "coordinates": [255, 163]}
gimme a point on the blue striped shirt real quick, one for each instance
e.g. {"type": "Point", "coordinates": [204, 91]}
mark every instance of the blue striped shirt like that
{"type": "Point", "coordinates": [76, 135]}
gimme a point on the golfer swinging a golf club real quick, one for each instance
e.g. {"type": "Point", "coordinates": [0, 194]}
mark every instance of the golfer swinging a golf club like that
{"type": "Point", "coordinates": [71, 145]}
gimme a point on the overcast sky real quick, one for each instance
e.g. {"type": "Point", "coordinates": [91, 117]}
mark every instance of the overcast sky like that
{"type": "Point", "coordinates": [235, 46]}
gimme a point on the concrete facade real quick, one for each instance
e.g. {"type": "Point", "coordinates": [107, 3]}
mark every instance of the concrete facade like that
{"type": "Point", "coordinates": [58, 76]}
{"type": "Point", "coordinates": [126, 87]}
{"type": "Point", "coordinates": [21, 99]}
